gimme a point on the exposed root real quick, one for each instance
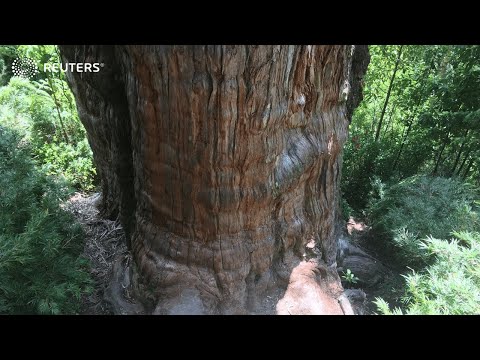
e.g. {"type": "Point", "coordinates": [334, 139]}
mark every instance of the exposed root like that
{"type": "Point", "coordinates": [313, 288]}
{"type": "Point", "coordinates": [119, 292]}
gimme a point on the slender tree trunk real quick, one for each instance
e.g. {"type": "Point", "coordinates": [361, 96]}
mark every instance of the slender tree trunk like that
{"type": "Point", "coordinates": [457, 159]}
{"type": "Point", "coordinates": [387, 98]}
{"type": "Point", "coordinates": [223, 163]}
{"type": "Point", "coordinates": [372, 128]}
{"type": "Point", "coordinates": [57, 107]}
{"type": "Point", "coordinates": [389, 121]}
{"type": "Point", "coordinates": [439, 157]}
{"type": "Point", "coordinates": [465, 158]}
{"type": "Point", "coordinates": [404, 139]}
{"type": "Point", "coordinates": [410, 123]}
{"type": "Point", "coordinates": [467, 170]}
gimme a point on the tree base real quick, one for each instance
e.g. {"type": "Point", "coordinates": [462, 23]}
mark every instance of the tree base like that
{"type": "Point", "coordinates": [304, 287]}
{"type": "Point", "coordinates": [121, 292]}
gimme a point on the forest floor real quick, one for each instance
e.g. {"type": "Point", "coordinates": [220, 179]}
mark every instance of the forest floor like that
{"type": "Point", "coordinates": [104, 240]}
{"type": "Point", "coordinates": [389, 284]}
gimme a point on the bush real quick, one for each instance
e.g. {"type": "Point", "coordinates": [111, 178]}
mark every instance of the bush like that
{"type": "Point", "coordinates": [359, 165]}
{"type": "Point", "coordinates": [74, 162]}
{"type": "Point", "coordinates": [422, 206]}
{"type": "Point", "coordinates": [451, 285]}
{"type": "Point", "coordinates": [41, 270]}
{"type": "Point", "coordinates": [346, 209]}
{"type": "Point", "coordinates": [15, 101]}
{"type": "Point", "coordinates": [58, 140]}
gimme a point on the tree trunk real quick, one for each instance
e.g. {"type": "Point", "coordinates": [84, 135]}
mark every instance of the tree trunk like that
{"type": "Point", "coordinates": [389, 122]}
{"type": "Point", "coordinates": [387, 97]}
{"type": "Point", "coordinates": [467, 170]}
{"type": "Point", "coordinates": [439, 157]}
{"type": "Point", "coordinates": [223, 162]}
{"type": "Point", "coordinates": [460, 151]}
{"type": "Point", "coordinates": [404, 139]}
{"type": "Point", "coordinates": [412, 120]}
{"type": "Point", "coordinates": [463, 162]}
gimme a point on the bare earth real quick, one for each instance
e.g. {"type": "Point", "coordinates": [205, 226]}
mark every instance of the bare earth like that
{"type": "Point", "coordinates": [104, 240]}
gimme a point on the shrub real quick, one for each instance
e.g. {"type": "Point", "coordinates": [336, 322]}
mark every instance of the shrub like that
{"type": "Point", "coordinates": [366, 163]}
{"type": "Point", "coordinates": [41, 270]}
{"type": "Point", "coordinates": [421, 206]}
{"type": "Point", "coordinates": [359, 164]}
{"type": "Point", "coordinates": [15, 101]}
{"type": "Point", "coordinates": [26, 106]}
{"type": "Point", "coordinates": [74, 162]}
{"type": "Point", "coordinates": [450, 285]}
{"type": "Point", "coordinates": [346, 209]}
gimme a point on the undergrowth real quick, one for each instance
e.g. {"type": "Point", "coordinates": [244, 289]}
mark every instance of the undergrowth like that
{"type": "Point", "coordinates": [41, 270]}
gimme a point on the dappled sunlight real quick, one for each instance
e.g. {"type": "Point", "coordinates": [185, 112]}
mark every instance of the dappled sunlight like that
{"type": "Point", "coordinates": [354, 225]}
{"type": "Point", "coordinates": [312, 290]}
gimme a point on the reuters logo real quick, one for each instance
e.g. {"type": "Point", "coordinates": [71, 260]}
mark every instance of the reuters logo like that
{"type": "Point", "coordinates": [24, 67]}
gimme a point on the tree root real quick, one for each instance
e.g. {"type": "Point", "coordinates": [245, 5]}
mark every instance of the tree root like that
{"type": "Point", "coordinates": [120, 292]}
{"type": "Point", "coordinates": [313, 289]}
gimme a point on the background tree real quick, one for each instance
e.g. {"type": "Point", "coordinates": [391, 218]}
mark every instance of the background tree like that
{"type": "Point", "coordinates": [222, 161]}
{"type": "Point", "coordinates": [420, 116]}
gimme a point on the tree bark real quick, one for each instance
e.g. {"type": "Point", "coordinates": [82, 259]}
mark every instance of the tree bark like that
{"type": "Point", "coordinates": [222, 162]}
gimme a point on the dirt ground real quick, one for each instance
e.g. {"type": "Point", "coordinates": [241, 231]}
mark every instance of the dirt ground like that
{"type": "Point", "coordinates": [391, 286]}
{"type": "Point", "coordinates": [104, 240]}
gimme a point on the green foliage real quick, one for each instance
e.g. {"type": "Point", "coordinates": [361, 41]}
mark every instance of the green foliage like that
{"type": "Point", "coordinates": [350, 277]}
{"type": "Point", "coordinates": [346, 209]}
{"type": "Point", "coordinates": [430, 124]}
{"type": "Point", "coordinates": [41, 271]}
{"type": "Point", "coordinates": [411, 181]}
{"type": "Point", "coordinates": [44, 112]}
{"type": "Point", "coordinates": [420, 206]}
{"type": "Point", "coordinates": [74, 162]}
{"type": "Point", "coordinates": [8, 53]}
{"type": "Point", "coordinates": [451, 284]}
{"type": "Point", "coordinates": [384, 309]}
{"type": "Point", "coordinates": [15, 102]}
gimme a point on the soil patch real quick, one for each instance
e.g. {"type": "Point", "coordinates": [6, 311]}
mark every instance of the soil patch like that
{"type": "Point", "coordinates": [104, 240]}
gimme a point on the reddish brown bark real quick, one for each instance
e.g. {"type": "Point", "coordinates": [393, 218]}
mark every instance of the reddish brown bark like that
{"type": "Point", "coordinates": [222, 161]}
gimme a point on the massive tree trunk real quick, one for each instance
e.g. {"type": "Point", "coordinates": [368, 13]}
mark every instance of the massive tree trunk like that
{"type": "Point", "coordinates": [223, 163]}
